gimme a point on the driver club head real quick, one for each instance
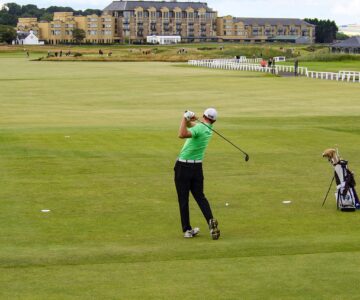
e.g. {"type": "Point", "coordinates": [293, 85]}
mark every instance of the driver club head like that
{"type": "Point", "coordinates": [247, 157]}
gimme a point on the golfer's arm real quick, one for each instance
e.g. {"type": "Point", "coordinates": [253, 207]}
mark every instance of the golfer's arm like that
{"type": "Point", "coordinates": [184, 133]}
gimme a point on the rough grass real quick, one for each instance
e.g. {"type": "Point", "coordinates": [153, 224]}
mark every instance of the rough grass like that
{"type": "Point", "coordinates": [95, 143]}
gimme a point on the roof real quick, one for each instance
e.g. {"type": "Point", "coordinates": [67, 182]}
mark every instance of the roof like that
{"type": "Point", "coordinates": [272, 21]}
{"type": "Point", "coordinates": [22, 35]}
{"type": "Point", "coordinates": [131, 5]}
{"type": "Point", "coordinates": [353, 42]}
{"type": "Point", "coordinates": [285, 37]}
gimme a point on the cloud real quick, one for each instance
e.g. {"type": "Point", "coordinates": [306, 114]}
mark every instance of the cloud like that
{"type": "Point", "coordinates": [349, 8]}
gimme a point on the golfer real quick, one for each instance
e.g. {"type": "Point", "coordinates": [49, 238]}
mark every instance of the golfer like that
{"type": "Point", "coordinates": [189, 172]}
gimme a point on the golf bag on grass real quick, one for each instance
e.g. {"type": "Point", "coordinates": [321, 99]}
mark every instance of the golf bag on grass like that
{"type": "Point", "coordinates": [346, 197]}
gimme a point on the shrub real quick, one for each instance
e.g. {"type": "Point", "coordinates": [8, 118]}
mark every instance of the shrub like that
{"type": "Point", "coordinates": [77, 54]}
{"type": "Point", "coordinates": [206, 48]}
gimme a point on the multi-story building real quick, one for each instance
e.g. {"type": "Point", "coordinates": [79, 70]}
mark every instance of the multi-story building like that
{"type": "Point", "coordinates": [98, 29]}
{"type": "Point", "coordinates": [264, 29]}
{"type": "Point", "coordinates": [193, 21]}
{"type": "Point", "coordinates": [27, 25]}
{"type": "Point", "coordinates": [133, 21]}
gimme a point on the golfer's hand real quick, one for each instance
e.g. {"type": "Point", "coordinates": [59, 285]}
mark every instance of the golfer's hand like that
{"type": "Point", "coordinates": [189, 116]}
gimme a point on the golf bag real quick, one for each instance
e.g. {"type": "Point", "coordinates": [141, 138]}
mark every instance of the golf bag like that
{"type": "Point", "coordinates": [346, 197]}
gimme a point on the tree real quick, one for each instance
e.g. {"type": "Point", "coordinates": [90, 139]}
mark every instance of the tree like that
{"type": "Point", "coordinates": [10, 12]}
{"type": "Point", "coordinates": [325, 31]}
{"type": "Point", "coordinates": [91, 12]}
{"type": "Point", "coordinates": [79, 35]}
{"type": "Point", "coordinates": [341, 36]}
{"type": "Point", "coordinates": [7, 34]}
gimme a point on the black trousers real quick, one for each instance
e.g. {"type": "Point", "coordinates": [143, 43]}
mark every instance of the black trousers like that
{"type": "Point", "coordinates": [189, 178]}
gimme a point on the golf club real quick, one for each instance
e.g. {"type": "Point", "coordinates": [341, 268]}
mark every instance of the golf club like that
{"type": "Point", "coordinates": [247, 157]}
{"type": "Point", "coordinates": [327, 194]}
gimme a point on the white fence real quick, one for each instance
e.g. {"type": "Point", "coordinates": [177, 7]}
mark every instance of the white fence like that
{"type": "Point", "coordinates": [230, 64]}
{"type": "Point", "coordinates": [249, 65]}
{"type": "Point", "coordinates": [350, 76]}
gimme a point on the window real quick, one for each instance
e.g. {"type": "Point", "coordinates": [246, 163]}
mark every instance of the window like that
{"type": "Point", "coordinates": [191, 15]}
{"type": "Point", "coordinates": [153, 15]}
{"type": "Point", "coordinates": [165, 15]}
{"type": "Point", "coordinates": [139, 14]}
{"type": "Point", "coordinates": [178, 15]}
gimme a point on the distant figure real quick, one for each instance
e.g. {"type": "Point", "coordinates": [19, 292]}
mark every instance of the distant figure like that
{"type": "Point", "coordinates": [296, 66]}
{"type": "Point", "coordinates": [273, 66]}
{"type": "Point", "coordinates": [270, 62]}
{"type": "Point", "coordinates": [263, 63]}
{"type": "Point", "coordinates": [60, 53]}
{"type": "Point", "coordinates": [100, 52]}
{"type": "Point", "coordinates": [56, 54]}
{"type": "Point", "coordinates": [27, 54]}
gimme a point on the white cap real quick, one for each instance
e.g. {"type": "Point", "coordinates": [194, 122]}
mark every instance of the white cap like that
{"type": "Point", "coordinates": [211, 114]}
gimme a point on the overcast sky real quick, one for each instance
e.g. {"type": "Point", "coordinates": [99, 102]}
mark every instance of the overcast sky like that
{"type": "Point", "coordinates": [342, 11]}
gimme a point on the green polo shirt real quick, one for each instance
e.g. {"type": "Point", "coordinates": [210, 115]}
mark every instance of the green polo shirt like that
{"type": "Point", "coordinates": [194, 147]}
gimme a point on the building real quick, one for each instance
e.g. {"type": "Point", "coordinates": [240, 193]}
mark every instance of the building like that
{"type": "Point", "coordinates": [98, 29]}
{"type": "Point", "coordinates": [264, 29]}
{"type": "Point", "coordinates": [351, 46]}
{"type": "Point", "coordinates": [163, 40]}
{"type": "Point", "coordinates": [193, 21]}
{"type": "Point", "coordinates": [26, 38]}
{"type": "Point", "coordinates": [133, 21]}
{"type": "Point", "coordinates": [27, 25]}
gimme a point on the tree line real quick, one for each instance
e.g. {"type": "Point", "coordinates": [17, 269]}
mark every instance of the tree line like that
{"type": "Point", "coordinates": [10, 12]}
{"type": "Point", "coordinates": [325, 31]}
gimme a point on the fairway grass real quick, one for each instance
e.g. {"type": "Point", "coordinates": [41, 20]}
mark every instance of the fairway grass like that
{"type": "Point", "coordinates": [95, 143]}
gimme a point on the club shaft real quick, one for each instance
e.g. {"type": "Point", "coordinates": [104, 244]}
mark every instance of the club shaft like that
{"type": "Point", "coordinates": [231, 143]}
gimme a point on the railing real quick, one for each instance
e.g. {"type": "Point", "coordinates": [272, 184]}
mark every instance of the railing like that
{"type": "Point", "coordinates": [230, 64]}
{"type": "Point", "coordinates": [291, 69]}
{"type": "Point", "coordinates": [353, 76]}
{"type": "Point", "coordinates": [323, 75]}
{"type": "Point", "coordinates": [249, 65]}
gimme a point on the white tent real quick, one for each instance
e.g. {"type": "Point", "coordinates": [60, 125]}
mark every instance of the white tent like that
{"type": "Point", "coordinates": [163, 40]}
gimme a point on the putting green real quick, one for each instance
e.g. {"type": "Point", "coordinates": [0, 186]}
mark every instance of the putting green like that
{"type": "Point", "coordinates": [95, 143]}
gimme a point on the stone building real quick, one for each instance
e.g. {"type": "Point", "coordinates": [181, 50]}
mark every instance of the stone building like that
{"type": "Point", "coordinates": [265, 29]}
{"type": "Point", "coordinates": [193, 21]}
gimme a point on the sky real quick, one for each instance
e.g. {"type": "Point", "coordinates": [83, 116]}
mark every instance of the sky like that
{"type": "Point", "coordinates": [342, 11]}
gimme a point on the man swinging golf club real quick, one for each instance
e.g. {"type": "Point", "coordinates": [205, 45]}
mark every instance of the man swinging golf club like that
{"type": "Point", "coordinates": [189, 173]}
